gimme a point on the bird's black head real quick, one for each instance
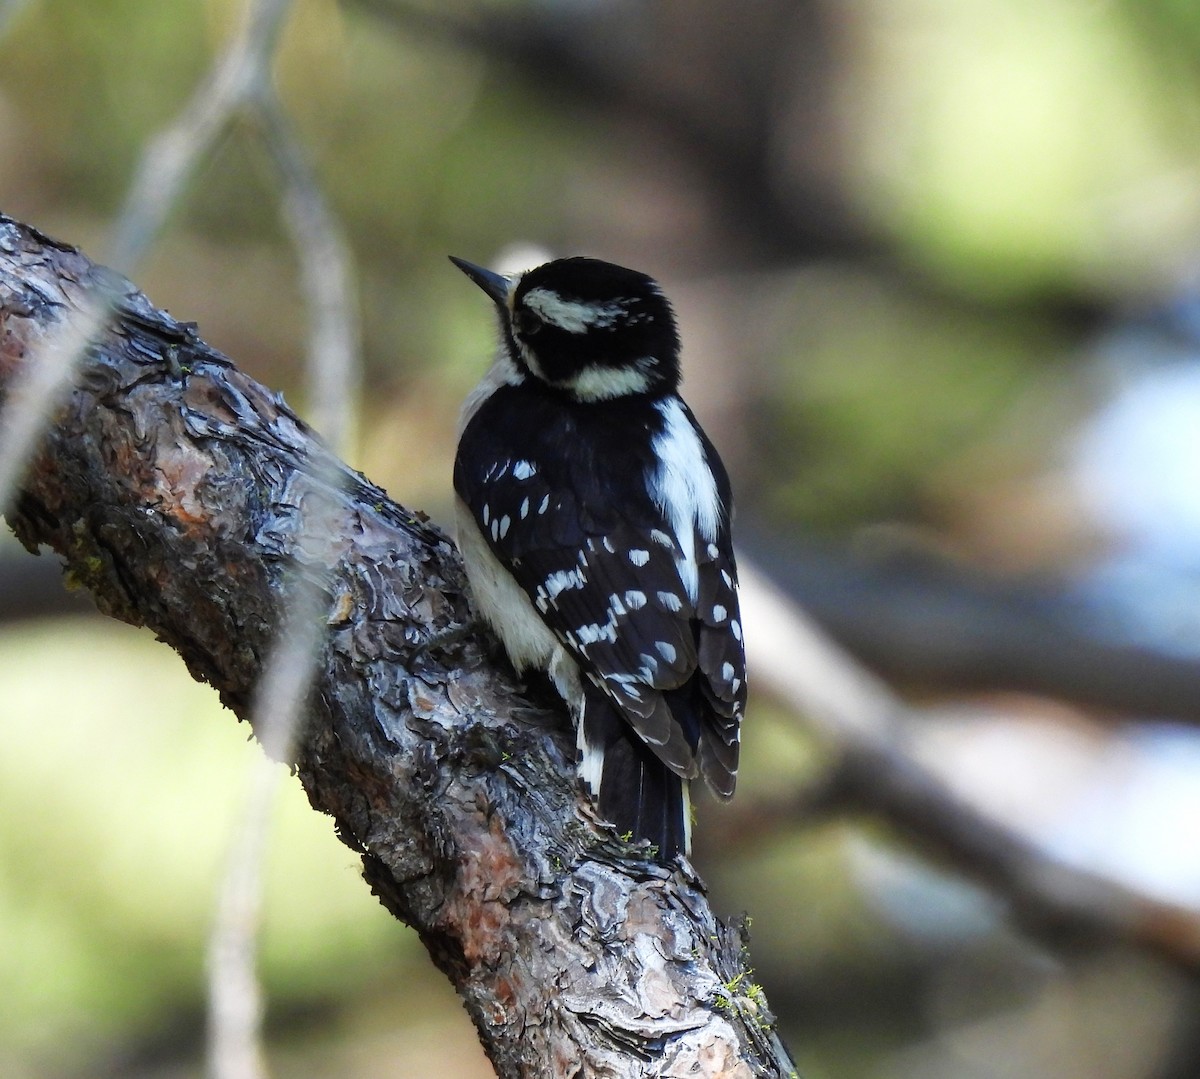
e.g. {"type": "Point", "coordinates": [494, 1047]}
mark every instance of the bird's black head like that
{"type": "Point", "coordinates": [590, 329]}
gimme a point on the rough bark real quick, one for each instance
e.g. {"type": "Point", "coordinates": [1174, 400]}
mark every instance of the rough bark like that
{"type": "Point", "coordinates": [175, 488]}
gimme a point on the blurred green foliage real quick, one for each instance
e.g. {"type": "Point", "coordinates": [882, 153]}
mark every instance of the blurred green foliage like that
{"type": "Point", "coordinates": [121, 785]}
{"type": "Point", "coordinates": [877, 393]}
{"type": "Point", "coordinates": [1018, 146]}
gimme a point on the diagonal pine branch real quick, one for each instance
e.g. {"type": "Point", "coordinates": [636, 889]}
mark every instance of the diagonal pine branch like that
{"type": "Point", "coordinates": [176, 489]}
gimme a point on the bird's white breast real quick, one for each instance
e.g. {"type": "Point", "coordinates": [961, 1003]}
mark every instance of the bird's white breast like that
{"type": "Point", "coordinates": [507, 608]}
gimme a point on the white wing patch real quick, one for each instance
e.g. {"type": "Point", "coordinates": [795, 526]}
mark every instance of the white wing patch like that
{"type": "Point", "coordinates": [684, 488]}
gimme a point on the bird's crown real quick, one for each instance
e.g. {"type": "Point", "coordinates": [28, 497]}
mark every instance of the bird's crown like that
{"type": "Point", "coordinates": [588, 328]}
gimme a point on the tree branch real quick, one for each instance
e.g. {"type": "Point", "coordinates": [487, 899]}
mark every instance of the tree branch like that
{"type": "Point", "coordinates": [879, 771]}
{"type": "Point", "coordinates": [919, 620]}
{"type": "Point", "coordinates": [178, 491]}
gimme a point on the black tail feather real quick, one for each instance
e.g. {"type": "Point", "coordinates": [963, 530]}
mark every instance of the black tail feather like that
{"type": "Point", "coordinates": [637, 793]}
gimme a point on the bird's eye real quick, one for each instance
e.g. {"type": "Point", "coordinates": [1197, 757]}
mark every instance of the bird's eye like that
{"type": "Point", "coordinates": [527, 323]}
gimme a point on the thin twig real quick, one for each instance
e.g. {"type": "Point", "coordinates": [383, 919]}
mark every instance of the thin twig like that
{"type": "Point", "coordinates": [9, 10]}
{"type": "Point", "coordinates": [235, 1005]}
{"type": "Point", "coordinates": [172, 156]}
{"type": "Point", "coordinates": [327, 279]}
{"type": "Point", "coordinates": [234, 994]}
{"type": "Point", "coordinates": [42, 384]}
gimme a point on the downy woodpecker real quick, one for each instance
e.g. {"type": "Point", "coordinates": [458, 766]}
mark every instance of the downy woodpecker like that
{"type": "Point", "coordinates": [593, 515]}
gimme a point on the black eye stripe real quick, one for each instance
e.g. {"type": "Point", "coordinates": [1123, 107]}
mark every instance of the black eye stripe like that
{"type": "Point", "coordinates": [527, 323]}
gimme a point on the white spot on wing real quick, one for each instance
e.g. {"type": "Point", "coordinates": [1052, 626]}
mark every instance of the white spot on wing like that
{"type": "Point", "coordinates": [666, 650]}
{"type": "Point", "coordinates": [719, 613]}
{"type": "Point", "coordinates": [562, 580]}
{"type": "Point", "coordinates": [596, 631]}
{"type": "Point", "coordinates": [524, 509]}
{"type": "Point", "coordinates": [670, 601]}
{"type": "Point", "coordinates": [635, 600]}
{"type": "Point", "coordinates": [606, 630]}
{"type": "Point", "coordinates": [639, 557]}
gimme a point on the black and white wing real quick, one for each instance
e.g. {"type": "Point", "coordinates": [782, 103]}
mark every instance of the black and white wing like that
{"type": "Point", "coordinates": [642, 594]}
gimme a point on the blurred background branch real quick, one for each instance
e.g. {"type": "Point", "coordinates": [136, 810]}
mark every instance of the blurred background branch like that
{"type": "Point", "coordinates": [874, 741]}
{"type": "Point", "coordinates": [173, 155]}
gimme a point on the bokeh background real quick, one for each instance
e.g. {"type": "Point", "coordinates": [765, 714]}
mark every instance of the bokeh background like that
{"type": "Point", "coordinates": [936, 267]}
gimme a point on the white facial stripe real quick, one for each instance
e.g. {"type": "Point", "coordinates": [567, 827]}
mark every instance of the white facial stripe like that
{"type": "Point", "coordinates": [604, 383]}
{"type": "Point", "coordinates": [572, 315]}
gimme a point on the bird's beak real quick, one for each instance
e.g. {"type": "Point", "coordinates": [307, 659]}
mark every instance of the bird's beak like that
{"type": "Point", "coordinates": [494, 284]}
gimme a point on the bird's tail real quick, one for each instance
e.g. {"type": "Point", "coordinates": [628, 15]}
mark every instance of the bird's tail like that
{"type": "Point", "coordinates": [634, 790]}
